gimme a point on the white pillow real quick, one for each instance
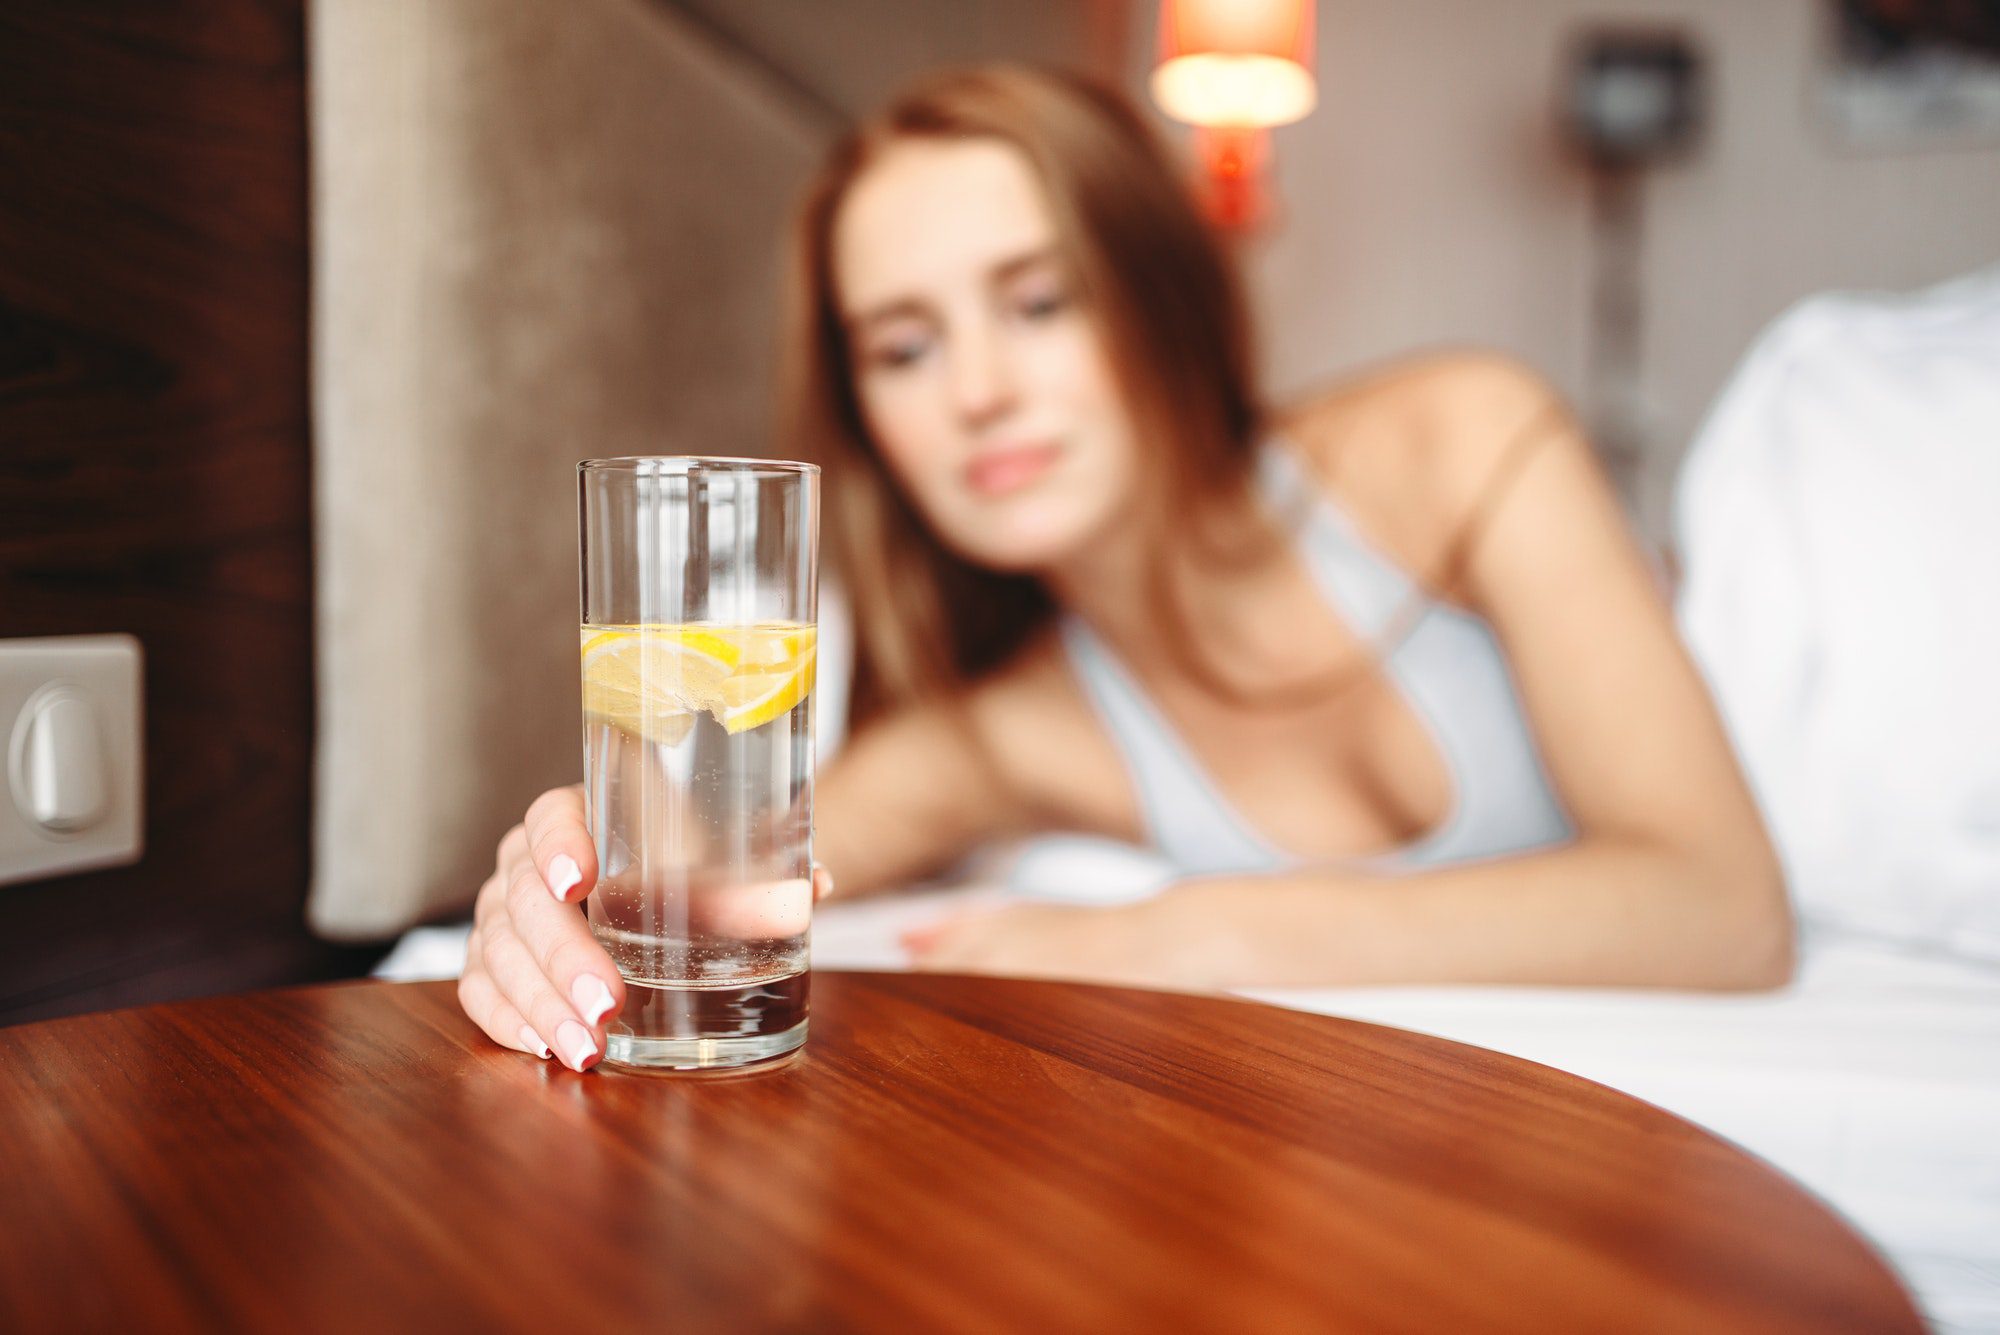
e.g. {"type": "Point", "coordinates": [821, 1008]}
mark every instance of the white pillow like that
{"type": "Point", "coordinates": [1839, 521]}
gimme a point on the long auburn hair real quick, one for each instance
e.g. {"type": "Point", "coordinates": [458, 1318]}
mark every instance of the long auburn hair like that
{"type": "Point", "coordinates": [1164, 297]}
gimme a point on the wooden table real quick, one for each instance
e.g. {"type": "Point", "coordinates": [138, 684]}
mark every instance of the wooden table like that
{"type": "Point", "coordinates": [949, 1153]}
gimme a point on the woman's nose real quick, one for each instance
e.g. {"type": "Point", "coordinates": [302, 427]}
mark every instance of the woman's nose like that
{"type": "Point", "coordinates": [983, 383]}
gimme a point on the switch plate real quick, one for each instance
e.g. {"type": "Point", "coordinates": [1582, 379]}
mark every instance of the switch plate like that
{"type": "Point", "coordinates": [52, 679]}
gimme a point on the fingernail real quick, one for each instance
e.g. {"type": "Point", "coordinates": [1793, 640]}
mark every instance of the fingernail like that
{"type": "Point", "coordinates": [574, 1040]}
{"type": "Point", "coordinates": [533, 1042]}
{"type": "Point", "coordinates": [564, 873]}
{"type": "Point", "coordinates": [591, 996]}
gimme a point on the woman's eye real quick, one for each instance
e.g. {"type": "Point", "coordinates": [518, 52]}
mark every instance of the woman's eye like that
{"type": "Point", "coordinates": [1043, 305]}
{"type": "Point", "coordinates": [899, 352]}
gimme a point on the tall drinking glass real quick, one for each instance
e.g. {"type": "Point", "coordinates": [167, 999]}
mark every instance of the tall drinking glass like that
{"type": "Point", "coordinates": [699, 639]}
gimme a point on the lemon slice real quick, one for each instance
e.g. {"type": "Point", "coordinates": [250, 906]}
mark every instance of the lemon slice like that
{"type": "Point", "coordinates": [668, 726]}
{"type": "Point", "coordinates": [717, 642]}
{"type": "Point", "coordinates": [650, 681]}
{"type": "Point", "coordinates": [777, 646]}
{"type": "Point", "coordinates": [752, 699]}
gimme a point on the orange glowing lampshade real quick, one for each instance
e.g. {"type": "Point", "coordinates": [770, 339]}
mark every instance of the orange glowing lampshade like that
{"type": "Point", "coordinates": [1236, 64]}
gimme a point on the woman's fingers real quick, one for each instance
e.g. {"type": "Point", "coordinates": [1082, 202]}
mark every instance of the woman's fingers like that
{"type": "Point", "coordinates": [535, 979]}
{"type": "Point", "coordinates": [510, 965]}
{"type": "Point", "coordinates": [921, 940]}
{"type": "Point", "coordinates": [493, 1012]}
{"type": "Point", "coordinates": [560, 844]}
{"type": "Point", "coordinates": [759, 910]}
{"type": "Point", "coordinates": [544, 962]}
{"type": "Point", "coordinates": [961, 940]}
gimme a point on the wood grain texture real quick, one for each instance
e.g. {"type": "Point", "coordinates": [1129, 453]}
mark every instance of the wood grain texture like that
{"type": "Point", "coordinates": [949, 1154]}
{"type": "Point", "coordinates": [154, 471]}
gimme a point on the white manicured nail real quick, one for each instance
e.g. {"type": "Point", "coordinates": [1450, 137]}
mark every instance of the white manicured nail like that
{"type": "Point", "coordinates": [574, 1040]}
{"type": "Point", "coordinates": [563, 873]}
{"type": "Point", "coordinates": [533, 1042]}
{"type": "Point", "coordinates": [591, 996]}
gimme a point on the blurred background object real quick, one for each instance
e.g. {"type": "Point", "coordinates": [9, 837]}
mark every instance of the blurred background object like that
{"type": "Point", "coordinates": [293, 393]}
{"type": "Point", "coordinates": [1233, 69]}
{"type": "Point", "coordinates": [1430, 198]}
{"type": "Point", "coordinates": [1632, 101]}
{"type": "Point", "coordinates": [1905, 73]}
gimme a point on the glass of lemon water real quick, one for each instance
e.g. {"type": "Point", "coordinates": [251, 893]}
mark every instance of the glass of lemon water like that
{"type": "Point", "coordinates": [698, 649]}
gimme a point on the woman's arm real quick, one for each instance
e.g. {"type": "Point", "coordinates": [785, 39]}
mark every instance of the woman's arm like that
{"type": "Point", "coordinates": [1601, 911]}
{"type": "Point", "coordinates": [1671, 880]}
{"type": "Point", "coordinates": [914, 792]}
{"type": "Point", "coordinates": [906, 797]}
{"type": "Point", "coordinates": [1595, 912]}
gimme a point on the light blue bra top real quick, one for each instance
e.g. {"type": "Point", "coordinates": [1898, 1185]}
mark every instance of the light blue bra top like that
{"type": "Point", "coordinates": [1448, 667]}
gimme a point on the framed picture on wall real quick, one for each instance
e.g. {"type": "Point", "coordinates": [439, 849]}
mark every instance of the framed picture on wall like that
{"type": "Point", "coordinates": [1912, 73]}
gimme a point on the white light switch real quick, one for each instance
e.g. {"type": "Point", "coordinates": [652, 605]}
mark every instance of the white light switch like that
{"type": "Point", "coordinates": [70, 719]}
{"type": "Point", "coordinates": [63, 779]}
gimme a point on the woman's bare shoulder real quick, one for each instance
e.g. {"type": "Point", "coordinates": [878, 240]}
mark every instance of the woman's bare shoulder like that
{"type": "Point", "coordinates": [1411, 447]}
{"type": "Point", "coordinates": [1415, 414]}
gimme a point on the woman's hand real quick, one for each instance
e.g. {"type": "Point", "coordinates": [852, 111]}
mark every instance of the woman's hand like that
{"type": "Point", "coordinates": [1102, 945]}
{"type": "Point", "coordinates": [535, 978]}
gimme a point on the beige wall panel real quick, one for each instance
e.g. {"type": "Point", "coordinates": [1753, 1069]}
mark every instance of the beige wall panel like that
{"type": "Point", "coordinates": [544, 233]}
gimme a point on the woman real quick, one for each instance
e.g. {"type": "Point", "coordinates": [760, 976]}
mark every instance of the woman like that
{"type": "Point", "coordinates": [1390, 682]}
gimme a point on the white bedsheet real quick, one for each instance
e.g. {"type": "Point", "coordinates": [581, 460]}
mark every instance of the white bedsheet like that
{"type": "Point", "coordinates": [1874, 1079]}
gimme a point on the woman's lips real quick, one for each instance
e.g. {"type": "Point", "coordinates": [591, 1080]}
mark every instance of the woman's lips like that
{"type": "Point", "coordinates": [1001, 471]}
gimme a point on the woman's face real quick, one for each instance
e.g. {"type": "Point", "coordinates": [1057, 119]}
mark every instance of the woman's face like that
{"type": "Point", "coordinates": [981, 375]}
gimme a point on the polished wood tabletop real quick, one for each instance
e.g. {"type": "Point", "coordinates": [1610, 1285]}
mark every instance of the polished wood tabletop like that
{"type": "Point", "coordinates": [948, 1153]}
